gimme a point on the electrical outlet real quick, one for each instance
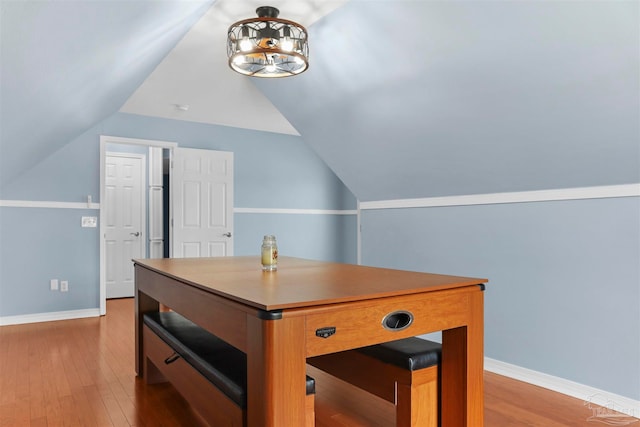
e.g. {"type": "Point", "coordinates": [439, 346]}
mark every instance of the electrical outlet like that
{"type": "Point", "coordinates": [64, 286]}
{"type": "Point", "coordinates": [54, 284]}
{"type": "Point", "coordinates": [90, 221]}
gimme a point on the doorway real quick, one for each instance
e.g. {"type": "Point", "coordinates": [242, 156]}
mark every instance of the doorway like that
{"type": "Point", "coordinates": [201, 199]}
{"type": "Point", "coordinates": [114, 258]}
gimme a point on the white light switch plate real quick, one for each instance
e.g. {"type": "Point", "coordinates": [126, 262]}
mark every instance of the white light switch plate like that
{"type": "Point", "coordinates": [90, 221]}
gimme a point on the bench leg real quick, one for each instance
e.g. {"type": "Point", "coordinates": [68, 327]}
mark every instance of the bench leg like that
{"type": "Point", "coordinates": [417, 402]}
{"type": "Point", "coordinates": [151, 374]}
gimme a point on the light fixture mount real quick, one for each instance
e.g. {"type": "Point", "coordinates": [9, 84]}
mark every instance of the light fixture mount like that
{"type": "Point", "coordinates": [267, 46]}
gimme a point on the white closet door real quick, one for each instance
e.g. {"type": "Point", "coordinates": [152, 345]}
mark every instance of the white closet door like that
{"type": "Point", "coordinates": [202, 198]}
{"type": "Point", "coordinates": [125, 223]}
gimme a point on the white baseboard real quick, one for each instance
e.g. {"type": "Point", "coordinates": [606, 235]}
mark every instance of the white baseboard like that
{"type": "Point", "coordinates": [49, 317]}
{"type": "Point", "coordinates": [589, 395]}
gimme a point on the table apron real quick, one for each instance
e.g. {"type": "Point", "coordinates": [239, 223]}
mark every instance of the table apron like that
{"type": "Point", "coordinates": [360, 324]}
{"type": "Point", "coordinates": [223, 318]}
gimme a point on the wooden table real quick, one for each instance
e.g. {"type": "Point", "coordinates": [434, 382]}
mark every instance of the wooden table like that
{"type": "Point", "coordinates": [274, 317]}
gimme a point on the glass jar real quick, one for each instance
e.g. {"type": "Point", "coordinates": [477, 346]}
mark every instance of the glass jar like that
{"type": "Point", "coordinates": [269, 253]}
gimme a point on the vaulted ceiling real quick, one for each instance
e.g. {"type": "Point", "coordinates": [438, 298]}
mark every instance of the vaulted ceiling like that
{"type": "Point", "coordinates": [403, 98]}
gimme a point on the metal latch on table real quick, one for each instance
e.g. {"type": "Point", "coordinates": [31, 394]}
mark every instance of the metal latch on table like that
{"type": "Point", "coordinates": [326, 332]}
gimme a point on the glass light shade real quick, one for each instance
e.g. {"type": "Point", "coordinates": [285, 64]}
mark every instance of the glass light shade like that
{"type": "Point", "coordinates": [267, 46]}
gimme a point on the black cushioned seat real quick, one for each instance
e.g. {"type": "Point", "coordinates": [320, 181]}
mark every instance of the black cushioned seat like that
{"type": "Point", "coordinates": [409, 353]}
{"type": "Point", "coordinates": [403, 372]}
{"type": "Point", "coordinates": [221, 363]}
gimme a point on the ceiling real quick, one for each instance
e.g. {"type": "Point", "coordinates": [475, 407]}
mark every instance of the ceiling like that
{"type": "Point", "coordinates": [403, 98]}
{"type": "Point", "coordinates": [195, 74]}
{"type": "Point", "coordinates": [67, 65]}
{"type": "Point", "coordinates": [439, 98]}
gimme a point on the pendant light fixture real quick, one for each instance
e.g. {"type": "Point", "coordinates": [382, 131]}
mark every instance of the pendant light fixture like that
{"type": "Point", "coordinates": [267, 46]}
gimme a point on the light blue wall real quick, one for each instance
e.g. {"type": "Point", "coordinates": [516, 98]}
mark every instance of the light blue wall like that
{"type": "Point", "coordinates": [42, 244]}
{"type": "Point", "coordinates": [325, 237]}
{"type": "Point", "coordinates": [271, 171]}
{"type": "Point", "coordinates": [564, 279]}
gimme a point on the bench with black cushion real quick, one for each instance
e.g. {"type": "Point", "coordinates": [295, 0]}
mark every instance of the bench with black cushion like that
{"type": "Point", "coordinates": [403, 372]}
{"type": "Point", "coordinates": [210, 373]}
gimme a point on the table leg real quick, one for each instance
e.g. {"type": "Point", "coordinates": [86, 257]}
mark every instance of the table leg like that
{"type": "Point", "coordinates": [276, 369]}
{"type": "Point", "coordinates": [463, 369]}
{"type": "Point", "coordinates": [143, 304]}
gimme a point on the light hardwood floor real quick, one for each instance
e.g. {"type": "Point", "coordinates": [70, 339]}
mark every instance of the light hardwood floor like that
{"type": "Point", "coordinates": [81, 373]}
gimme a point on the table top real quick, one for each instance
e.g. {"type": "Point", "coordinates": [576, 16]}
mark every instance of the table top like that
{"type": "Point", "coordinates": [297, 282]}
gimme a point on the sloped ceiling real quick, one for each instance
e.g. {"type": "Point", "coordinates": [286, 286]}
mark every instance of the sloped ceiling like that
{"type": "Point", "coordinates": [410, 99]}
{"type": "Point", "coordinates": [67, 65]}
{"type": "Point", "coordinates": [403, 98]}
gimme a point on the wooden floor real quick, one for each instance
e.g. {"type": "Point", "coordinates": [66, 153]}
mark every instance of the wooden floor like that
{"type": "Point", "coordinates": [81, 373]}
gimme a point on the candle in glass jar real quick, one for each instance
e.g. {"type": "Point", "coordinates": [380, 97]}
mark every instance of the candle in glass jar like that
{"type": "Point", "coordinates": [269, 253]}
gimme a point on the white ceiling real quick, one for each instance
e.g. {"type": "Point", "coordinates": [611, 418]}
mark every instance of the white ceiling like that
{"type": "Point", "coordinates": [195, 74]}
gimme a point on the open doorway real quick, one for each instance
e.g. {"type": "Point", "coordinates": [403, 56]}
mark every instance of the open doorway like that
{"type": "Point", "coordinates": [133, 222]}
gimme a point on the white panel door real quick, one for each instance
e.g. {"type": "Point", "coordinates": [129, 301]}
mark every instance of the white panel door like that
{"type": "Point", "coordinates": [124, 223]}
{"type": "Point", "coordinates": [202, 203]}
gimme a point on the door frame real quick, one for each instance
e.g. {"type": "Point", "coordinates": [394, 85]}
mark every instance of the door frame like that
{"type": "Point", "coordinates": [104, 140]}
